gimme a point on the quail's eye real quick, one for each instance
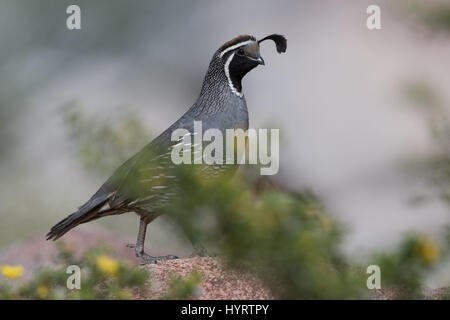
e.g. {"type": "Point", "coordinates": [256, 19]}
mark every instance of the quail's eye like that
{"type": "Point", "coordinates": [240, 52]}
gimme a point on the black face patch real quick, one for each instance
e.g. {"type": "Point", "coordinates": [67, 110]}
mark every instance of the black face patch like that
{"type": "Point", "coordinates": [239, 66]}
{"type": "Point", "coordinates": [243, 59]}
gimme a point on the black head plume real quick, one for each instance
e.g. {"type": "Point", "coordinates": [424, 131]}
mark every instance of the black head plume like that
{"type": "Point", "coordinates": [280, 42]}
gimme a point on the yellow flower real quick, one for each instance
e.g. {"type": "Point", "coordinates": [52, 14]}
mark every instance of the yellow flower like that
{"type": "Point", "coordinates": [12, 272]}
{"type": "Point", "coordinates": [42, 291]}
{"type": "Point", "coordinates": [107, 265]}
{"type": "Point", "coordinates": [428, 250]}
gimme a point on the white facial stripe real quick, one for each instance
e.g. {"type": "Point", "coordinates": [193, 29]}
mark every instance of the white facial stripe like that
{"type": "Point", "coordinates": [237, 45]}
{"type": "Point", "coordinates": [227, 73]}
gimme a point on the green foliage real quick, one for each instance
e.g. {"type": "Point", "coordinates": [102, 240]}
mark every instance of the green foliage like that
{"type": "Point", "coordinates": [434, 15]}
{"type": "Point", "coordinates": [288, 240]}
{"type": "Point", "coordinates": [437, 16]}
{"type": "Point", "coordinates": [186, 288]}
{"type": "Point", "coordinates": [406, 267]}
{"type": "Point", "coordinates": [103, 147]}
{"type": "Point", "coordinates": [291, 243]}
{"type": "Point", "coordinates": [102, 277]}
{"type": "Point", "coordinates": [437, 166]}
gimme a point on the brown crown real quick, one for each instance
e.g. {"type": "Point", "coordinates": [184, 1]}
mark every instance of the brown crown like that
{"type": "Point", "coordinates": [232, 42]}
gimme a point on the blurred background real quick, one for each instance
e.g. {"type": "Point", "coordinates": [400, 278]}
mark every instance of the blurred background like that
{"type": "Point", "coordinates": [364, 115]}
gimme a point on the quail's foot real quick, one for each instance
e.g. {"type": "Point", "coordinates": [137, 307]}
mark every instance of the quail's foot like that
{"type": "Point", "coordinates": [148, 259]}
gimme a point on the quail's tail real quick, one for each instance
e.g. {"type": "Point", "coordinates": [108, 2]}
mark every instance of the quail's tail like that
{"type": "Point", "coordinates": [88, 212]}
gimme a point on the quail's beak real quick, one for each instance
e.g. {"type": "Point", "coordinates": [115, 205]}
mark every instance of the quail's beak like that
{"type": "Point", "coordinates": [260, 60]}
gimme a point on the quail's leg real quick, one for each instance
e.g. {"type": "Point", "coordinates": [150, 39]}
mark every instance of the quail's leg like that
{"type": "Point", "coordinates": [139, 247]}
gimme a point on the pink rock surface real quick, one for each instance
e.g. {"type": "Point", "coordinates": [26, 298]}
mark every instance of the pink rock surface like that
{"type": "Point", "coordinates": [217, 282]}
{"type": "Point", "coordinates": [36, 252]}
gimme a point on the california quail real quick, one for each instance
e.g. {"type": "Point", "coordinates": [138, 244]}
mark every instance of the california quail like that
{"type": "Point", "coordinates": [144, 184]}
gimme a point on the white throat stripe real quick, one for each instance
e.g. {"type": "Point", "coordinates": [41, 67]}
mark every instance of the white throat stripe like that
{"type": "Point", "coordinates": [227, 73]}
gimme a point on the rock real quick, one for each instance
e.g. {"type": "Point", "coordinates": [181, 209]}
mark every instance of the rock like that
{"type": "Point", "coordinates": [217, 282]}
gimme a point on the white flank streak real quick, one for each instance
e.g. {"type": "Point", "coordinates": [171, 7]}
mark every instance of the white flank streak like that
{"type": "Point", "coordinates": [177, 145]}
{"type": "Point", "coordinates": [159, 187]}
{"type": "Point", "coordinates": [162, 155]}
{"type": "Point", "coordinates": [105, 207]}
{"type": "Point", "coordinates": [143, 199]}
{"type": "Point", "coordinates": [227, 73]}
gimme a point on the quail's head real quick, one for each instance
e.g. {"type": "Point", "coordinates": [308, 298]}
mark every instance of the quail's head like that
{"type": "Point", "coordinates": [242, 54]}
